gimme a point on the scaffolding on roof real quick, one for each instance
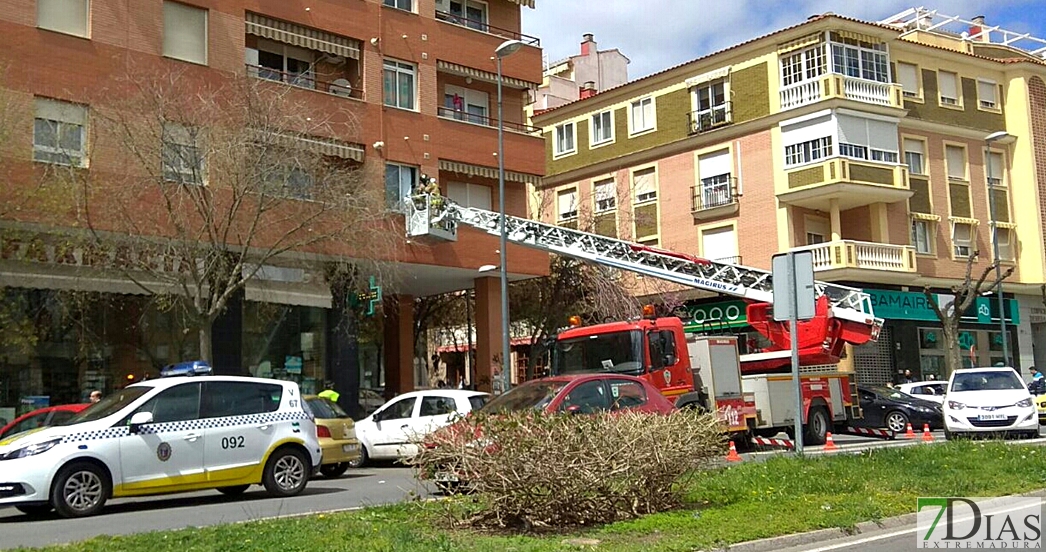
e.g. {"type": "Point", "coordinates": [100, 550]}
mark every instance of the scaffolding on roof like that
{"type": "Point", "coordinates": [924, 19]}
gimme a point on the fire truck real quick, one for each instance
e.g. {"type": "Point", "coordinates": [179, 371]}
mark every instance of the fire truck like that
{"type": "Point", "coordinates": [754, 394]}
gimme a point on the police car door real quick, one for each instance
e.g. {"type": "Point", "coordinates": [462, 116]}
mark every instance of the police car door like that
{"type": "Point", "coordinates": [241, 419]}
{"type": "Point", "coordinates": [169, 451]}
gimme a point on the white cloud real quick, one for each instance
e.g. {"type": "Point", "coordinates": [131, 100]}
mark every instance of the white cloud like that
{"type": "Point", "coordinates": [657, 34]}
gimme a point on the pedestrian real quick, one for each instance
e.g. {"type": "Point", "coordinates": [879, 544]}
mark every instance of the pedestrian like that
{"type": "Point", "coordinates": [931, 377]}
{"type": "Point", "coordinates": [1036, 375]}
{"type": "Point", "coordinates": [889, 384]}
{"type": "Point", "coordinates": [329, 393]}
{"type": "Point", "coordinates": [96, 396]}
{"type": "Point", "coordinates": [908, 377]}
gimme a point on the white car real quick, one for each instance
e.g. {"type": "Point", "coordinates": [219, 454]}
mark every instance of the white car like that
{"type": "Point", "coordinates": [185, 431]}
{"type": "Point", "coordinates": [926, 390]}
{"type": "Point", "coordinates": [395, 429]}
{"type": "Point", "coordinates": [989, 400]}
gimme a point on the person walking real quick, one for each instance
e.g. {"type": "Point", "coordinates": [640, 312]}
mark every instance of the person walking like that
{"type": "Point", "coordinates": [96, 396]}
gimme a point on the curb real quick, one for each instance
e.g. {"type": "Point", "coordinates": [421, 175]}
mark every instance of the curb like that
{"type": "Point", "coordinates": [822, 535]}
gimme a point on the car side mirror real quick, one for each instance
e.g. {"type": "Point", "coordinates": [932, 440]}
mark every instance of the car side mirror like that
{"type": "Point", "coordinates": [139, 419]}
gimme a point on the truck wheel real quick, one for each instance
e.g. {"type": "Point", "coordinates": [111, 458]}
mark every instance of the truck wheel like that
{"type": "Point", "coordinates": [815, 432]}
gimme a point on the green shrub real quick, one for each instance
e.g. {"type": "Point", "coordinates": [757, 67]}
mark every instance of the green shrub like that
{"type": "Point", "coordinates": [534, 470]}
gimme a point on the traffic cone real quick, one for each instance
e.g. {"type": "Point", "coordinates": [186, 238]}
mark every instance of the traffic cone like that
{"type": "Point", "coordinates": [829, 444]}
{"type": "Point", "coordinates": [733, 456]}
{"type": "Point", "coordinates": [927, 437]}
{"type": "Point", "coordinates": [909, 434]}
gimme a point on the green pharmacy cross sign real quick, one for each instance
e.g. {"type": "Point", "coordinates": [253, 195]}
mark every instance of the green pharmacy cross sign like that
{"type": "Point", "coordinates": [371, 297]}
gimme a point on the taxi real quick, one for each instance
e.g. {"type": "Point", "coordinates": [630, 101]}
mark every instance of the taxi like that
{"type": "Point", "coordinates": [1040, 406]}
{"type": "Point", "coordinates": [181, 432]}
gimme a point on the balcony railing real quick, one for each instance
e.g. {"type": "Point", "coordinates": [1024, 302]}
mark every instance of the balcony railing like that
{"type": "Point", "coordinates": [840, 86]}
{"type": "Point", "coordinates": [305, 80]}
{"type": "Point", "coordinates": [484, 27]}
{"type": "Point", "coordinates": [708, 119]}
{"type": "Point", "coordinates": [714, 192]}
{"type": "Point", "coordinates": [861, 255]}
{"type": "Point", "coordinates": [483, 120]}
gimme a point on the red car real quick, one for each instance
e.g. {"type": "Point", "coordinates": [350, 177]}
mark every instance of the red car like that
{"type": "Point", "coordinates": [582, 394]}
{"type": "Point", "coordinates": [43, 417]}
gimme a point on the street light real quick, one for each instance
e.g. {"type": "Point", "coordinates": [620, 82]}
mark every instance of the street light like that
{"type": "Point", "coordinates": [1005, 138]}
{"type": "Point", "coordinates": [506, 49]}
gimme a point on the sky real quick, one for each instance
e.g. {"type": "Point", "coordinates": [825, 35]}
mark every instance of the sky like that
{"type": "Point", "coordinates": [657, 34]}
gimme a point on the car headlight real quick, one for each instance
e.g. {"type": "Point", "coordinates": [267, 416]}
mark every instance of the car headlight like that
{"type": "Point", "coordinates": [1024, 403]}
{"type": "Point", "coordinates": [31, 450]}
{"type": "Point", "coordinates": [924, 409]}
{"type": "Point", "coordinates": [956, 405]}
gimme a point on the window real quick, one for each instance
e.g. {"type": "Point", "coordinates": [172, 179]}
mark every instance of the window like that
{"type": "Point", "coordinates": [63, 16]}
{"type": "Point", "coordinates": [602, 128]}
{"type": "Point", "coordinates": [871, 139]}
{"type": "Point", "coordinates": [400, 181]}
{"type": "Point", "coordinates": [564, 143]}
{"type": "Point", "coordinates": [401, 409]}
{"type": "Point", "coordinates": [645, 185]}
{"type": "Point", "coordinates": [914, 155]}
{"type": "Point", "coordinates": [995, 169]}
{"type": "Point", "coordinates": [407, 5]}
{"type": "Point", "coordinates": [948, 86]}
{"type": "Point", "coordinates": [469, 13]}
{"type": "Point", "coordinates": [587, 398]}
{"type": "Point", "coordinates": [58, 133]}
{"type": "Point", "coordinates": [962, 239]}
{"type": "Point", "coordinates": [606, 196]}
{"type": "Point", "coordinates": [809, 151]}
{"type": "Point", "coordinates": [239, 398]}
{"type": "Point", "coordinates": [566, 203]}
{"type": "Point", "coordinates": [478, 401]}
{"type": "Point", "coordinates": [184, 32]}
{"type": "Point", "coordinates": [626, 394]}
{"type": "Point", "coordinates": [808, 140]}
{"type": "Point", "coordinates": [922, 236]}
{"type": "Point", "coordinates": [289, 179]}
{"type": "Point", "coordinates": [860, 59]}
{"type": "Point", "coordinates": [643, 116]}
{"type": "Point", "coordinates": [908, 75]}
{"type": "Point", "coordinates": [719, 244]}
{"type": "Point", "coordinates": [986, 94]}
{"type": "Point", "coordinates": [399, 83]}
{"type": "Point", "coordinates": [1006, 249]}
{"type": "Point", "coordinates": [955, 157]}
{"type": "Point", "coordinates": [712, 108]}
{"type": "Point", "coordinates": [437, 406]}
{"type": "Point", "coordinates": [802, 66]}
{"type": "Point", "coordinates": [470, 195]}
{"type": "Point", "coordinates": [181, 158]}
{"type": "Point", "coordinates": [464, 104]}
{"type": "Point", "coordinates": [817, 230]}
{"type": "Point", "coordinates": [285, 63]}
{"type": "Point", "coordinates": [716, 189]}
{"type": "Point", "coordinates": [177, 404]}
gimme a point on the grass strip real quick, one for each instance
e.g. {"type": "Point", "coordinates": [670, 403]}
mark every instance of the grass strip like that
{"type": "Point", "coordinates": [743, 502]}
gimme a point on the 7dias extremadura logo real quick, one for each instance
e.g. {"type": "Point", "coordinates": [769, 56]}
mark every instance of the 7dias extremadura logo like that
{"type": "Point", "coordinates": [979, 523]}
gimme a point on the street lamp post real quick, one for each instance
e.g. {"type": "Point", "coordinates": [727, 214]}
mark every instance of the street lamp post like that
{"type": "Point", "coordinates": [994, 137]}
{"type": "Point", "coordinates": [506, 49]}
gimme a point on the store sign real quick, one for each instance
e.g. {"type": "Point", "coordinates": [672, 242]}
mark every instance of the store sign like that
{"type": "Point", "coordinates": [906, 305]}
{"type": "Point", "coordinates": [712, 316]}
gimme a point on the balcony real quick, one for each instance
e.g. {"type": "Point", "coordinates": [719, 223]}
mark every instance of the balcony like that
{"type": "Point", "coordinates": [337, 87]}
{"type": "Point", "coordinates": [851, 182]}
{"type": "Point", "coordinates": [484, 27]}
{"type": "Point", "coordinates": [847, 259]}
{"type": "Point", "coordinates": [709, 119]}
{"type": "Point", "coordinates": [482, 120]}
{"type": "Point", "coordinates": [716, 197]}
{"type": "Point", "coordinates": [843, 87]}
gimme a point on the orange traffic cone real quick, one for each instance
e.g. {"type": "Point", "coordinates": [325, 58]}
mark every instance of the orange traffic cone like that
{"type": "Point", "coordinates": [909, 434]}
{"type": "Point", "coordinates": [733, 456]}
{"type": "Point", "coordinates": [927, 437]}
{"type": "Point", "coordinates": [829, 444]}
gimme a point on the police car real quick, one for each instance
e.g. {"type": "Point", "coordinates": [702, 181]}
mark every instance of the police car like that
{"type": "Point", "coordinates": [177, 433]}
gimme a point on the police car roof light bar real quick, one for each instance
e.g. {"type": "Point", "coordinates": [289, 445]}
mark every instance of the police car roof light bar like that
{"type": "Point", "coordinates": [188, 368]}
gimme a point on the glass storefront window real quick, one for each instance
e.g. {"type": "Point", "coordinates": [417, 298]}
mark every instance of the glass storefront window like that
{"type": "Point", "coordinates": [930, 338]}
{"type": "Point", "coordinates": [286, 342]}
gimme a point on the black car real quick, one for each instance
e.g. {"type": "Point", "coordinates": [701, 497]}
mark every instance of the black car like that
{"type": "Point", "coordinates": [891, 409]}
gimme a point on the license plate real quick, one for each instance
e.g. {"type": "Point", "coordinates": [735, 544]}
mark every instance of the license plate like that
{"type": "Point", "coordinates": [445, 477]}
{"type": "Point", "coordinates": [348, 448]}
{"type": "Point", "coordinates": [990, 417]}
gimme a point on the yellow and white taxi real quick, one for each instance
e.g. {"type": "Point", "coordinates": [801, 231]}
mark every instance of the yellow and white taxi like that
{"type": "Point", "coordinates": [181, 432]}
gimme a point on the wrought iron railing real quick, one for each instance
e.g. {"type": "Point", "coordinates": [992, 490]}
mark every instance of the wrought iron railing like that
{"type": "Point", "coordinates": [483, 120]}
{"type": "Point", "coordinates": [714, 192]}
{"type": "Point", "coordinates": [708, 119]}
{"type": "Point", "coordinates": [305, 80]}
{"type": "Point", "coordinates": [484, 27]}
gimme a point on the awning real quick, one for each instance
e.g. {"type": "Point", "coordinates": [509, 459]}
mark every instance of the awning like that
{"type": "Point", "coordinates": [288, 294]}
{"type": "Point", "coordinates": [527, 3]}
{"type": "Point", "coordinates": [487, 76]}
{"type": "Point", "coordinates": [709, 76]}
{"type": "Point", "coordinates": [860, 37]}
{"type": "Point", "coordinates": [487, 172]}
{"type": "Point", "coordinates": [799, 43]}
{"type": "Point", "coordinates": [304, 37]}
{"type": "Point", "coordinates": [323, 146]}
{"type": "Point", "coordinates": [460, 347]}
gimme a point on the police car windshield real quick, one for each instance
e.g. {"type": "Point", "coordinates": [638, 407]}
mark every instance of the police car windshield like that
{"type": "Point", "coordinates": [108, 405]}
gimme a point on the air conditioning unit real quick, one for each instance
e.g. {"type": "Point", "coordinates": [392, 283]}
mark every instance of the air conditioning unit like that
{"type": "Point", "coordinates": [341, 87]}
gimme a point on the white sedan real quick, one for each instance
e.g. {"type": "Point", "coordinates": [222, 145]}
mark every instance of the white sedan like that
{"type": "Point", "coordinates": [989, 400]}
{"type": "Point", "coordinates": [926, 390]}
{"type": "Point", "coordinates": [395, 429]}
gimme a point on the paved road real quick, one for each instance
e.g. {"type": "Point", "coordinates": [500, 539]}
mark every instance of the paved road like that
{"type": "Point", "coordinates": [364, 487]}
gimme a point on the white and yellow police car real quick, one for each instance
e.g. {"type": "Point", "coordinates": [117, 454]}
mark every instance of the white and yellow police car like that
{"type": "Point", "coordinates": [173, 434]}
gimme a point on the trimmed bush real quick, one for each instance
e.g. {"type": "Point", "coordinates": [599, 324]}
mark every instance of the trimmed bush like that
{"type": "Point", "coordinates": [534, 470]}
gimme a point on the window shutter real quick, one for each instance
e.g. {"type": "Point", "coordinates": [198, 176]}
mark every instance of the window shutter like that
{"type": "Point", "coordinates": [909, 77]}
{"type": "Point", "coordinates": [479, 196]}
{"type": "Point", "coordinates": [604, 190]}
{"type": "Point", "coordinates": [986, 91]}
{"type": "Point", "coordinates": [714, 164]}
{"type": "Point", "coordinates": [804, 131]}
{"type": "Point", "coordinates": [997, 167]}
{"type": "Point", "coordinates": [185, 32]}
{"type": "Point", "coordinates": [643, 182]}
{"type": "Point", "coordinates": [64, 16]}
{"type": "Point", "coordinates": [947, 84]}
{"type": "Point", "coordinates": [882, 135]}
{"type": "Point", "coordinates": [956, 162]}
{"type": "Point", "coordinates": [719, 244]}
{"type": "Point", "coordinates": [458, 192]}
{"type": "Point", "coordinates": [914, 146]}
{"type": "Point", "coordinates": [61, 111]}
{"type": "Point", "coordinates": [853, 130]}
{"type": "Point", "coordinates": [567, 204]}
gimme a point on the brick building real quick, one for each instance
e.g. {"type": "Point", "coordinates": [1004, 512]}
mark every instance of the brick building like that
{"type": "Point", "coordinates": [863, 142]}
{"type": "Point", "coordinates": [420, 77]}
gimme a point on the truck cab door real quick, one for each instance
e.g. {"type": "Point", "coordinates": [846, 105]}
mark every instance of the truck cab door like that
{"type": "Point", "coordinates": [667, 372]}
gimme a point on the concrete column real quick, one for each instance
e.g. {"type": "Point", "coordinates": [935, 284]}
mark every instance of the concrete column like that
{"type": "Point", "coordinates": [399, 344]}
{"type": "Point", "coordinates": [837, 225]}
{"type": "Point", "coordinates": [880, 223]}
{"type": "Point", "coordinates": [488, 330]}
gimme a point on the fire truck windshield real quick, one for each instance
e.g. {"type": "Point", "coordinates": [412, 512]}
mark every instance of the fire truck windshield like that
{"type": "Point", "coordinates": [617, 352]}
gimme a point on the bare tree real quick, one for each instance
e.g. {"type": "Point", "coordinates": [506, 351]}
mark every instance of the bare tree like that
{"type": "Point", "coordinates": [965, 294]}
{"type": "Point", "coordinates": [224, 181]}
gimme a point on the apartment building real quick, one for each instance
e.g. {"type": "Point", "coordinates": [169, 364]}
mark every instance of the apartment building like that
{"type": "Point", "coordinates": [866, 143]}
{"type": "Point", "coordinates": [588, 72]}
{"type": "Point", "coordinates": [419, 75]}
